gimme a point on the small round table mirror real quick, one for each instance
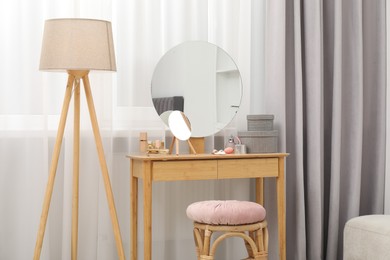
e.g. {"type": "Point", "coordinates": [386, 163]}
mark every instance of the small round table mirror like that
{"type": "Point", "coordinates": [180, 125]}
{"type": "Point", "coordinates": [201, 80]}
{"type": "Point", "coordinates": [181, 129]}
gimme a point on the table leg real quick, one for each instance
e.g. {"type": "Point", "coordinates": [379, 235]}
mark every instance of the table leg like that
{"type": "Point", "coordinates": [281, 210]}
{"type": "Point", "coordinates": [133, 213]}
{"type": "Point", "coordinates": [260, 191]}
{"type": "Point", "coordinates": [147, 211]}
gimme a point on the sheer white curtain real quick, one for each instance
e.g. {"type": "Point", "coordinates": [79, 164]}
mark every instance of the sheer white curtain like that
{"type": "Point", "coordinates": [30, 103]}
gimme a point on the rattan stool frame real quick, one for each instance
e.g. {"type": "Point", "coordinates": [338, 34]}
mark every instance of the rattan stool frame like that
{"type": "Point", "coordinates": [254, 235]}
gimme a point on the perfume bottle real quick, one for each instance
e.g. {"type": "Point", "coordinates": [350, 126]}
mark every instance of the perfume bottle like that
{"type": "Point", "coordinates": [230, 142]}
{"type": "Point", "coordinates": [229, 147]}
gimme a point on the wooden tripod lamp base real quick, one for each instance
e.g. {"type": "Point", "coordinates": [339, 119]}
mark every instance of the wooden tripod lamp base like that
{"type": "Point", "coordinates": [73, 85]}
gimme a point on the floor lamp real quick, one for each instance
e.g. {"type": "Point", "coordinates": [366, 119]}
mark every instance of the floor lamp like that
{"type": "Point", "coordinates": [77, 46]}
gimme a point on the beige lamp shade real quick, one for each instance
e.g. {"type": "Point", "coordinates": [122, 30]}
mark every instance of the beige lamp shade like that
{"type": "Point", "coordinates": [77, 44]}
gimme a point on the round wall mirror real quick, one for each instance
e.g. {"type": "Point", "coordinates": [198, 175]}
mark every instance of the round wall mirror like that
{"type": "Point", "coordinates": [201, 80]}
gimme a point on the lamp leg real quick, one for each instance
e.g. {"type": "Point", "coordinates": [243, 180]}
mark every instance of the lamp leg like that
{"type": "Point", "coordinates": [103, 166]}
{"type": "Point", "coordinates": [53, 168]}
{"type": "Point", "coordinates": [76, 163]}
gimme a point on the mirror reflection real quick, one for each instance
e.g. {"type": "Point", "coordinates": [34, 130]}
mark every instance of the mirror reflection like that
{"type": "Point", "coordinates": [201, 80]}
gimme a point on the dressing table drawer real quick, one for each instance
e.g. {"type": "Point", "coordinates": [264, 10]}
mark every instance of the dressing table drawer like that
{"type": "Point", "coordinates": [247, 168]}
{"type": "Point", "coordinates": [185, 170]}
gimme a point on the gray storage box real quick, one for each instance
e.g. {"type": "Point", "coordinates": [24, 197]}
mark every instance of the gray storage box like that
{"type": "Point", "coordinates": [259, 141]}
{"type": "Point", "coordinates": [260, 122]}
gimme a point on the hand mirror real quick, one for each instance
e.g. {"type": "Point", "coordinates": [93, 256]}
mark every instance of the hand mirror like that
{"type": "Point", "coordinates": [181, 129]}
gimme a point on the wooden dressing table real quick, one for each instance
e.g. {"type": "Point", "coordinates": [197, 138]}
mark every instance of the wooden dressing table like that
{"type": "Point", "coordinates": [151, 168]}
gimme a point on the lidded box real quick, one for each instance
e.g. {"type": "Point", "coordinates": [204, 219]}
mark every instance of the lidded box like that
{"type": "Point", "coordinates": [260, 122]}
{"type": "Point", "coordinates": [260, 141]}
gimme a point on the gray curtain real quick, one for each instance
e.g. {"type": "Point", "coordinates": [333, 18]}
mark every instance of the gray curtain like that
{"type": "Point", "coordinates": [335, 120]}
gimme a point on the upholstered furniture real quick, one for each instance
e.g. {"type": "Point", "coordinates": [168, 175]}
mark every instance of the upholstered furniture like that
{"type": "Point", "coordinates": [168, 103]}
{"type": "Point", "coordinates": [367, 238]}
{"type": "Point", "coordinates": [230, 218]}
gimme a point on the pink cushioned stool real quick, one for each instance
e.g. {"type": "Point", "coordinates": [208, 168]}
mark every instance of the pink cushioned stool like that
{"type": "Point", "coordinates": [235, 219]}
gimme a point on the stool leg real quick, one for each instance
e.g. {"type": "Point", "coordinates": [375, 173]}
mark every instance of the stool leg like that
{"type": "Point", "coordinates": [260, 240]}
{"type": "Point", "coordinates": [206, 242]}
{"type": "Point", "coordinates": [248, 246]}
{"type": "Point", "coordinates": [198, 237]}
